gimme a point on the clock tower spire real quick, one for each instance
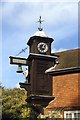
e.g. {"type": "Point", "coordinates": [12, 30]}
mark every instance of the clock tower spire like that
{"type": "Point", "coordinates": [40, 43]}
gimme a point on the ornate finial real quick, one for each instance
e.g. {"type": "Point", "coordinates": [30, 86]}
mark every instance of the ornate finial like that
{"type": "Point", "coordinates": [40, 22]}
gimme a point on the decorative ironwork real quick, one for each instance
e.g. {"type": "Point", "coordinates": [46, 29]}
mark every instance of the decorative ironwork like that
{"type": "Point", "coordinates": [23, 50]}
{"type": "Point", "coordinates": [40, 22]}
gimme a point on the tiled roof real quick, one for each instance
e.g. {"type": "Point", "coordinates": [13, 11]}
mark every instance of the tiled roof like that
{"type": "Point", "coordinates": [62, 103]}
{"type": "Point", "coordinates": [68, 59]}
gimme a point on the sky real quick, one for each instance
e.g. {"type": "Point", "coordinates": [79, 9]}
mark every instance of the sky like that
{"type": "Point", "coordinates": [18, 22]}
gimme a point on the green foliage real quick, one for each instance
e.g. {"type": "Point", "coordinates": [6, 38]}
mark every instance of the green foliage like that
{"type": "Point", "coordinates": [32, 115]}
{"type": "Point", "coordinates": [51, 115]}
{"type": "Point", "coordinates": [0, 100]}
{"type": "Point", "coordinates": [14, 105]}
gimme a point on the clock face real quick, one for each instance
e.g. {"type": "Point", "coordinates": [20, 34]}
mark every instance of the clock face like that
{"type": "Point", "coordinates": [42, 47]}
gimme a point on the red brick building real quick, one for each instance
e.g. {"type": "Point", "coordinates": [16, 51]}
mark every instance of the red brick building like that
{"type": "Point", "coordinates": [66, 84]}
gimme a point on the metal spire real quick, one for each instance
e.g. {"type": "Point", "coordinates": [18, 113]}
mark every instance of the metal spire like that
{"type": "Point", "coordinates": [40, 22]}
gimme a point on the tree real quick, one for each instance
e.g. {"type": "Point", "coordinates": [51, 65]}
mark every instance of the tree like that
{"type": "Point", "coordinates": [14, 105]}
{"type": "Point", "coordinates": [0, 100]}
{"type": "Point", "coordinates": [52, 115]}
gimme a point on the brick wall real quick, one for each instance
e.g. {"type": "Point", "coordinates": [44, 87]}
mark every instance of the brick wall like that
{"type": "Point", "coordinates": [66, 90]}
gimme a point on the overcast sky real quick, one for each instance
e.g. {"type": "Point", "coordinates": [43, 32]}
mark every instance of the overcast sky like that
{"type": "Point", "coordinates": [18, 21]}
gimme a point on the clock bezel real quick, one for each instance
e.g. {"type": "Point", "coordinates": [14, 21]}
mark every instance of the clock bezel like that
{"type": "Point", "coordinates": [39, 48]}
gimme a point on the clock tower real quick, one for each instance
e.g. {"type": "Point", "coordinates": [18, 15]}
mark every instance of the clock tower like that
{"type": "Point", "coordinates": [38, 84]}
{"type": "Point", "coordinates": [40, 60]}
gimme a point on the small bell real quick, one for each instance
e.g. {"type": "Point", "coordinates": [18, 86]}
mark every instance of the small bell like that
{"type": "Point", "coordinates": [19, 69]}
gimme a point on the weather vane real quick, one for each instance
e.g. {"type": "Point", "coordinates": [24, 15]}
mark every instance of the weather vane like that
{"type": "Point", "coordinates": [40, 22]}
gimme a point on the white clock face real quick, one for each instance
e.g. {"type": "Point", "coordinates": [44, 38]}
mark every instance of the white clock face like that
{"type": "Point", "coordinates": [42, 47]}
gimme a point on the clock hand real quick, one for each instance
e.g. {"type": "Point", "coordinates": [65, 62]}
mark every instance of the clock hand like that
{"type": "Point", "coordinates": [44, 46]}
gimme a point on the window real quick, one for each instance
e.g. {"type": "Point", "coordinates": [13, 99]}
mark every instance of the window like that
{"type": "Point", "coordinates": [69, 115]}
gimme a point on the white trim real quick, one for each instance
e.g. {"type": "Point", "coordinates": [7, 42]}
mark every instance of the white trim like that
{"type": "Point", "coordinates": [64, 69]}
{"type": "Point", "coordinates": [49, 56]}
{"type": "Point", "coordinates": [50, 69]}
